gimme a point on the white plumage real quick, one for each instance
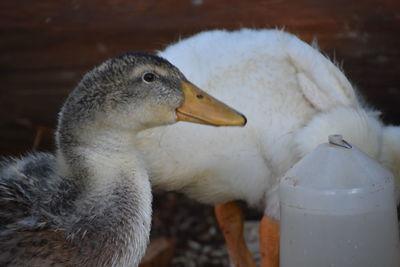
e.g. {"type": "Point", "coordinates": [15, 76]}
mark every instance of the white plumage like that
{"type": "Point", "coordinates": [293, 97]}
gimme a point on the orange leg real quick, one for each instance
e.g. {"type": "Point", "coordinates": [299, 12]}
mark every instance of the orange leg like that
{"type": "Point", "coordinates": [230, 219]}
{"type": "Point", "coordinates": [269, 242]}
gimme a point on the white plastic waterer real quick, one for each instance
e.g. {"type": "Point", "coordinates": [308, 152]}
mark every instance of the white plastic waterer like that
{"type": "Point", "coordinates": [338, 209]}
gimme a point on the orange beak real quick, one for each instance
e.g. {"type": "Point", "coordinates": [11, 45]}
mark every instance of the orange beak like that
{"type": "Point", "coordinates": [200, 107]}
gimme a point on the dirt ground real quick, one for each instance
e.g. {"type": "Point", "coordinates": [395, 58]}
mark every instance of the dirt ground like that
{"type": "Point", "coordinates": [199, 241]}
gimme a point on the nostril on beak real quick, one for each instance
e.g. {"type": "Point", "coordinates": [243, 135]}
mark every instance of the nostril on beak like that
{"type": "Point", "coordinates": [199, 96]}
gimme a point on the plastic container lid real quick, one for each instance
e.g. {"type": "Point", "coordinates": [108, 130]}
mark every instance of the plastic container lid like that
{"type": "Point", "coordinates": [337, 177]}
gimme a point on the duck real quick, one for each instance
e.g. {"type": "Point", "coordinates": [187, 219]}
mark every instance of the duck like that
{"type": "Point", "coordinates": [89, 203]}
{"type": "Point", "coordinates": [294, 97]}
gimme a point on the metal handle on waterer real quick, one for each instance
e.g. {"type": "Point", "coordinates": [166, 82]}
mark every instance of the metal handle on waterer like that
{"type": "Point", "coordinates": [337, 140]}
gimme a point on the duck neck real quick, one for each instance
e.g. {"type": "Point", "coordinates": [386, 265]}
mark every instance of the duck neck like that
{"type": "Point", "coordinates": [115, 195]}
{"type": "Point", "coordinates": [86, 152]}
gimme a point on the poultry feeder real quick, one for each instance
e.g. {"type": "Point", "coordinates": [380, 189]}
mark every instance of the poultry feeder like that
{"type": "Point", "coordinates": [338, 208]}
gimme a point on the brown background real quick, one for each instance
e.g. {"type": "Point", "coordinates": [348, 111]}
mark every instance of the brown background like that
{"type": "Point", "coordinates": [47, 45]}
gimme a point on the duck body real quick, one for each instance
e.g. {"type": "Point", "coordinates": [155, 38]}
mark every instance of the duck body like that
{"type": "Point", "coordinates": [47, 221]}
{"type": "Point", "coordinates": [293, 98]}
{"type": "Point", "coordinates": [89, 204]}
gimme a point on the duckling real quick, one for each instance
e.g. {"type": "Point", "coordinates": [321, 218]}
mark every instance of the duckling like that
{"type": "Point", "coordinates": [89, 204]}
{"type": "Point", "coordinates": [293, 97]}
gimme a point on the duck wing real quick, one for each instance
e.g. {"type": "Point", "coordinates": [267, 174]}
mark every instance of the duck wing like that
{"type": "Point", "coordinates": [32, 196]}
{"type": "Point", "coordinates": [31, 193]}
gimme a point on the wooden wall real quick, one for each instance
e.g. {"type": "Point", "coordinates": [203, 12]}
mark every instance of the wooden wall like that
{"type": "Point", "coordinates": [47, 45]}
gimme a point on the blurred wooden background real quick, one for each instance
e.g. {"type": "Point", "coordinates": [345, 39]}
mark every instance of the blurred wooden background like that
{"type": "Point", "coordinates": [46, 46]}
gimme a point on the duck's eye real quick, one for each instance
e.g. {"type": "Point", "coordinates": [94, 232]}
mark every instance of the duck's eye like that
{"type": "Point", "coordinates": [149, 77]}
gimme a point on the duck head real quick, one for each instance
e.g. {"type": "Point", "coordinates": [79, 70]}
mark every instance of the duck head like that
{"type": "Point", "coordinates": [135, 91]}
{"type": "Point", "coordinates": [139, 90]}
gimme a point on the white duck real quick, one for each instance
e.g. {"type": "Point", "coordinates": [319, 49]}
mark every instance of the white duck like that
{"type": "Point", "coordinates": [293, 97]}
{"type": "Point", "coordinates": [90, 204]}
